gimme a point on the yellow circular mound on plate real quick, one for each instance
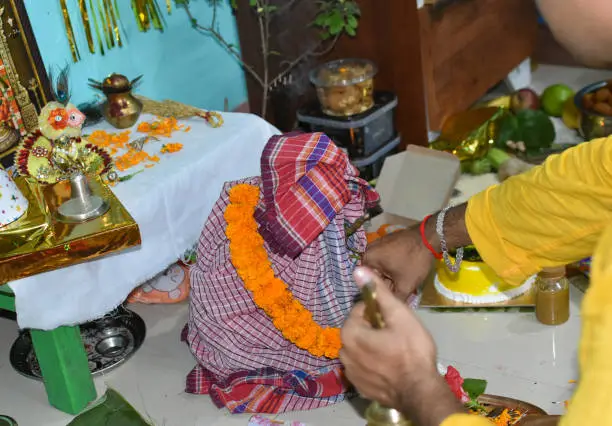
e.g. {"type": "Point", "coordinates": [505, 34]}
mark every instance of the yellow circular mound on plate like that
{"type": "Point", "coordinates": [476, 283]}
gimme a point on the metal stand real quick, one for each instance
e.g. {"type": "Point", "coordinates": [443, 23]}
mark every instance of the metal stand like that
{"type": "Point", "coordinates": [83, 205]}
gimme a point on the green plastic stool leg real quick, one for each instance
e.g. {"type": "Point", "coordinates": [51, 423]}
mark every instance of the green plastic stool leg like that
{"type": "Point", "coordinates": [7, 299]}
{"type": "Point", "coordinates": [64, 367]}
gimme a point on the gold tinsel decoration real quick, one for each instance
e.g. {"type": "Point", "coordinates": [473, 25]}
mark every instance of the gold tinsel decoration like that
{"type": "Point", "coordinates": [104, 17]}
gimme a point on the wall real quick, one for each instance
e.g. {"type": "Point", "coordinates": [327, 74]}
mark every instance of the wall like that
{"type": "Point", "coordinates": [179, 64]}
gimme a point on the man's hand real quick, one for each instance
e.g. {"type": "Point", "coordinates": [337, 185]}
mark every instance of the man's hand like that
{"type": "Point", "coordinates": [404, 260]}
{"type": "Point", "coordinates": [396, 365]}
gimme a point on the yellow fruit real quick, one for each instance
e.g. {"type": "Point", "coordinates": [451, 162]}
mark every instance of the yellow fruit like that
{"type": "Point", "coordinates": [554, 97]}
{"type": "Point", "coordinates": [501, 102]}
{"type": "Point", "coordinates": [571, 114]}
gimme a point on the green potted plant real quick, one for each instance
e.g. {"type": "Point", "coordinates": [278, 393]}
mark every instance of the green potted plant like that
{"type": "Point", "coordinates": [333, 19]}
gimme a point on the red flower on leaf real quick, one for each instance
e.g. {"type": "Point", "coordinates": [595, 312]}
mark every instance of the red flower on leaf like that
{"type": "Point", "coordinates": [455, 382]}
{"type": "Point", "coordinates": [58, 118]}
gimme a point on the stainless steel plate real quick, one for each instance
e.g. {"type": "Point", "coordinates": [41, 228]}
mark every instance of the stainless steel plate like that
{"type": "Point", "coordinates": [109, 342]}
{"type": "Point", "coordinates": [7, 421]}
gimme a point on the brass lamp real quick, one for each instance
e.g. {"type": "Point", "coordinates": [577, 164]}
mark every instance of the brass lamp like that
{"type": "Point", "coordinates": [8, 136]}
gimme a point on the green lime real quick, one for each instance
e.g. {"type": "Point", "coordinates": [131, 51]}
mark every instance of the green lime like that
{"type": "Point", "coordinates": [554, 98]}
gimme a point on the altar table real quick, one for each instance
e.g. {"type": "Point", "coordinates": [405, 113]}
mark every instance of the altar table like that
{"type": "Point", "coordinates": [170, 202]}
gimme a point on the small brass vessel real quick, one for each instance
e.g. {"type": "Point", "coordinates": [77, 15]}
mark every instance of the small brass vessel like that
{"type": "Point", "coordinates": [376, 414]}
{"type": "Point", "coordinates": [121, 109]}
{"type": "Point", "coordinates": [592, 125]}
{"type": "Point", "coordinates": [8, 137]}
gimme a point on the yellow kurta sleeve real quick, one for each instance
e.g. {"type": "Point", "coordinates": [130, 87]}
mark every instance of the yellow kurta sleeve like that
{"type": "Point", "coordinates": [466, 420]}
{"type": "Point", "coordinates": [591, 401]}
{"type": "Point", "coordinates": [552, 215]}
{"type": "Point", "coordinates": [589, 405]}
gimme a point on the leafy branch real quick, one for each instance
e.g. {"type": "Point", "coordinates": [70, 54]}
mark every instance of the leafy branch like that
{"type": "Point", "coordinates": [333, 19]}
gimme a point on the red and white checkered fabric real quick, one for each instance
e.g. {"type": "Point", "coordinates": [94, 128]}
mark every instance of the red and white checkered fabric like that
{"type": "Point", "coordinates": [227, 332]}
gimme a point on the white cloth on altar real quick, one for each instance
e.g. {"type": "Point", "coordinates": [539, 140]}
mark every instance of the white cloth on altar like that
{"type": "Point", "coordinates": [170, 202]}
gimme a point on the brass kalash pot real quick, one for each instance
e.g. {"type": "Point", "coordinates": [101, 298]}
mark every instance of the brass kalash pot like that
{"type": "Point", "coordinates": [376, 414]}
{"type": "Point", "coordinates": [121, 108]}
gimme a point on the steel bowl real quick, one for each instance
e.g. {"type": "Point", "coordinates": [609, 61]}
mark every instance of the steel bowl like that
{"type": "Point", "coordinates": [592, 125]}
{"type": "Point", "coordinates": [109, 342]}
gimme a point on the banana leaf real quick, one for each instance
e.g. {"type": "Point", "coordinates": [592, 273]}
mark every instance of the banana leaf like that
{"type": "Point", "coordinates": [110, 410]}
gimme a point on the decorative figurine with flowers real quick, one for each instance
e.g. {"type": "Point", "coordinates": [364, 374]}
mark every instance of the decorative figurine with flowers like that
{"type": "Point", "coordinates": [56, 149]}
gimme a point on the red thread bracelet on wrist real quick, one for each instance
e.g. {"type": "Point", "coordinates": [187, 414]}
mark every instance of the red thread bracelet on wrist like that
{"type": "Point", "coordinates": [424, 239]}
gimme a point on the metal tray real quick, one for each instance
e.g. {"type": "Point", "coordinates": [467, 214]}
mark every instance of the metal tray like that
{"type": "Point", "coordinates": [494, 401]}
{"type": "Point", "coordinates": [109, 342]}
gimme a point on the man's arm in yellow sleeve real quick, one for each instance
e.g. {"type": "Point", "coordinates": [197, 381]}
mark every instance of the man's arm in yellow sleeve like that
{"type": "Point", "coordinates": [466, 420]}
{"type": "Point", "coordinates": [552, 215]}
{"type": "Point", "coordinates": [590, 403]}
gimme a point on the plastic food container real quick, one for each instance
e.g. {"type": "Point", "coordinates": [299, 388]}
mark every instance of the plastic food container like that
{"type": "Point", "coordinates": [345, 87]}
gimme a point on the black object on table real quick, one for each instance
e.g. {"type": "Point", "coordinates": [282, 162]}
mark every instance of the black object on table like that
{"type": "Point", "coordinates": [367, 137]}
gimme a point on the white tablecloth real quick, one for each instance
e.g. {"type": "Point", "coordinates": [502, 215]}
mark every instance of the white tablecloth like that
{"type": "Point", "coordinates": [170, 202]}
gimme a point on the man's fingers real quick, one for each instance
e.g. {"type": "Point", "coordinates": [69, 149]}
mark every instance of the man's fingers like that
{"type": "Point", "coordinates": [357, 311]}
{"type": "Point", "coordinates": [404, 288]}
{"type": "Point", "coordinates": [387, 302]}
{"type": "Point", "coordinates": [356, 321]}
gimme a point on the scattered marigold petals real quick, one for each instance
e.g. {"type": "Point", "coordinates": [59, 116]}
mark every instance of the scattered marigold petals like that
{"type": "Point", "coordinates": [119, 142]}
{"type": "Point", "coordinates": [504, 419]}
{"type": "Point", "coordinates": [187, 129]}
{"type": "Point", "coordinates": [169, 148]}
{"type": "Point", "coordinates": [144, 127]}
{"type": "Point", "coordinates": [160, 127]}
{"type": "Point", "coordinates": [130, 159]}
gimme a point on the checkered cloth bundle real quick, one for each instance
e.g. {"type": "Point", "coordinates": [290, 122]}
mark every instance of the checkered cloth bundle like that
{"type": "Point", "coordinates": [310, 193]}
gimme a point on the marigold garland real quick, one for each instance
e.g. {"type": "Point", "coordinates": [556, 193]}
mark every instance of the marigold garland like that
{"type": "Point", "coordinates": [249, 257]}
